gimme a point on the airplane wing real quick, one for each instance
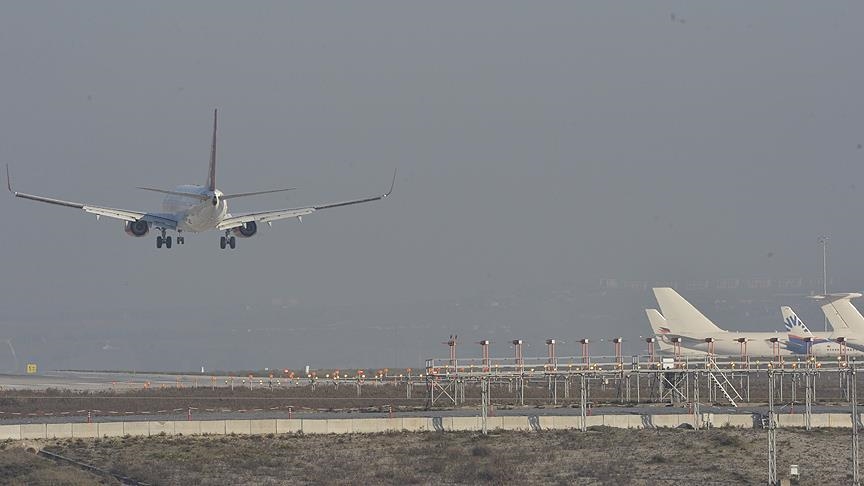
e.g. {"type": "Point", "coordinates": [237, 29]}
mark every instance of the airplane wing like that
{"type": "Point", "coordinates": [161, 220]}
{"type": "Point", "coordinates": [277, 214]}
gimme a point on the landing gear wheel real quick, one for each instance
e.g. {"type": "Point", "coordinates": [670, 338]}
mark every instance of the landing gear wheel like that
{"type": "Point", "coordinates": [181, 240]}
{"type": "Point", "coordinates": [167, 242]}
{"type": "Point", "coordinates": [222, 242]}
{"type": "Point", "coordinates": [158, 242]}
{"type": "Point", "coordinates": [232, 242]}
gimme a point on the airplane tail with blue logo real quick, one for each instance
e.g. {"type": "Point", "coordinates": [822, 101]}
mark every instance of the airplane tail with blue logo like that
{"type": "Point", "coordinates": [794, 324]}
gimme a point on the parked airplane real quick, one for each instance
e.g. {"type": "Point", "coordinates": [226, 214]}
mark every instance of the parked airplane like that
{"type": "Point", "coordinates": [683, 325]}
{"type": "Point", "coordinates": [845, 319]}
{"type": "Point", "coordinates": [799, 338]}
{"type": "Point", "coordinates": [197, 208]}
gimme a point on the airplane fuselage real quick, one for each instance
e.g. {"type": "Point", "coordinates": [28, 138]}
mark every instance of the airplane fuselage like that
{"type": "Point", "coordinates": [758, 344]}
{"type": "Point", "coordinates": [194, 214]}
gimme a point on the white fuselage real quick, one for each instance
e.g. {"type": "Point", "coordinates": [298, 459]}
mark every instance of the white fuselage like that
{"type": "Point", "coordinates": [758, 344]}
{"type": "Point", "coordinates": [194, 214]}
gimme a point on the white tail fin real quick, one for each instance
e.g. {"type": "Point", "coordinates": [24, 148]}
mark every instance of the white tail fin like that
{"type": "Point", "coordinates": [211, 175]}
{"type": "Point", "coordinates": [793, 323]}
{"type": "Point", "coordinates": [681, 316]}
{"type": "Point", "coordinates": [841, 314]}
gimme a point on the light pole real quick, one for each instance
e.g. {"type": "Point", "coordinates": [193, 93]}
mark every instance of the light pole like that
{"type": "Point", "coordinates": [823, 240]}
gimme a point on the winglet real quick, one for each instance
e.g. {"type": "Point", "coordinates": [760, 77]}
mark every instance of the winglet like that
{"type": "Point", "coordinates": [392, 185]}
{"type": "Point", "coordinates": [8, 180]}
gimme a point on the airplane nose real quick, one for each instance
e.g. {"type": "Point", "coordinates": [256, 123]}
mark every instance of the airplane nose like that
{"type": "Point", "coordinates": [215, 200]}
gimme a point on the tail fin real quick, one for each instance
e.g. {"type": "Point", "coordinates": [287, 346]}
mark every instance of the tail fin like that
{"type": "Point", "coordinates": [794, 324]}
{"type": "Point", "coordinates": [658, 322]}
{"type": "Point", "coordinates": [681, 316]}
{"type": "Point", "coordinates": [211, 177]}
{"type": "Point", "coordinates": [841, 314]}
{"type": "Point", "coordinates": [658, 325]}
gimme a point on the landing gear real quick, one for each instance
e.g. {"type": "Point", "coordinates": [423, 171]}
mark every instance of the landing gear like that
{"type": "Point", "coordinates": [181, 240]}
{"type": "Point", "coordinates": [165, 241]}
{"type": "Point", "coordinates": [227, 241]}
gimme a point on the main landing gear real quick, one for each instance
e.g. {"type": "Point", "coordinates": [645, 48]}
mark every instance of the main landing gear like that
{"type": "Point", "coordinates": [165, 241]}
{"type": "Point", "coordinates": [227, 241]}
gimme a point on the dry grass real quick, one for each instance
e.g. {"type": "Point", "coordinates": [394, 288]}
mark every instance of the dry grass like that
{"type": "Point", "coordinates": [601, 456]}
{"type": "Point", "coordinates": [20, 468]}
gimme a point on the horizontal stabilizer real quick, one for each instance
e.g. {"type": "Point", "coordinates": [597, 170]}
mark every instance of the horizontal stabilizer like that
{"type": "Point", "coordinates": [837, 296]}
{"type": "Point", "coordinates": [201, 197]}
{"type": "Point", "coordinates": [257, 193]}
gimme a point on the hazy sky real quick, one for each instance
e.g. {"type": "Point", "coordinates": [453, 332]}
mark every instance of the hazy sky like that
{"type": "Point", "coordinates": [537, 142]}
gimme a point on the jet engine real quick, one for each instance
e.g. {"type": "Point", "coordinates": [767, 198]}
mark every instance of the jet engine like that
{"type": "Point", "coordinates": [247, 230]}
{"type": "Point", "coordinates": [137, 228]}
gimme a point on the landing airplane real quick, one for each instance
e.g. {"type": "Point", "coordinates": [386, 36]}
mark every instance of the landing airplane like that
{"type": "Point", "coordinates": [196, 208]}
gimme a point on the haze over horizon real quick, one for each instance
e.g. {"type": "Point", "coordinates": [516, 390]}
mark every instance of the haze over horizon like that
{"type": "Point", "coordinates": [540, 148]}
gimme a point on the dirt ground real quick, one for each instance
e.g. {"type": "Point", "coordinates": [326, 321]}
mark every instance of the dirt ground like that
{"type": "Point", "coordinates": [601, 456]}
{"type": "Point", "coordinates": [15, 404]}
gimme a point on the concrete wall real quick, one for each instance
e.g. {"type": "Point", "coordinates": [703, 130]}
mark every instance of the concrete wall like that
{"type": "Point", "coordinates": [110, 429]}
{"type": "Point", "coordinates": [313, 426]}
{"type": "Point", "coordinates": [413, 424]}
{"type": "Point", "coordinates": [238, 427]}
{"type": "Point", "coordinates": [288, 426]}
{"type": "Point", "coordinates": [166, 428]}
{"type": "Point", "coordinates": [189, 427]}
{"type": "Point", "coordinates": [417, 424]}
{"type": "Point", "coordinates": [214, 427]}
{"type": "Point", "coordinates": [337, 426]}
{"type": "Point", "coordinates": [85, 430]}
{"type": "Point", "coordinates": [34, 431]}
{"type": "Point", "coordinates": [59, 430]}
{"type": "Point", "coordinates": [136, 428]}
{"type": "Point", "coordinates": [262, 427]}
{"type": "Point", "coordinates": [732, 420]}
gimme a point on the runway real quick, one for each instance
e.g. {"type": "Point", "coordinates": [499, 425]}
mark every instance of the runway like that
{"type": "Point", "coordinates": [114, 381]}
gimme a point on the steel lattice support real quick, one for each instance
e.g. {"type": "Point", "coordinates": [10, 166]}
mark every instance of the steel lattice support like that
{"type": "Point", "coordinates": [484, 403]}
{"type": "Point", "coordinates": [856, 418]}
{"type": "Point", "coordinates": [809, 380]}
{"type": "Point", "coordinates": [584, 400]}
{"type": "Point", "coordinates": [772, 433]}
